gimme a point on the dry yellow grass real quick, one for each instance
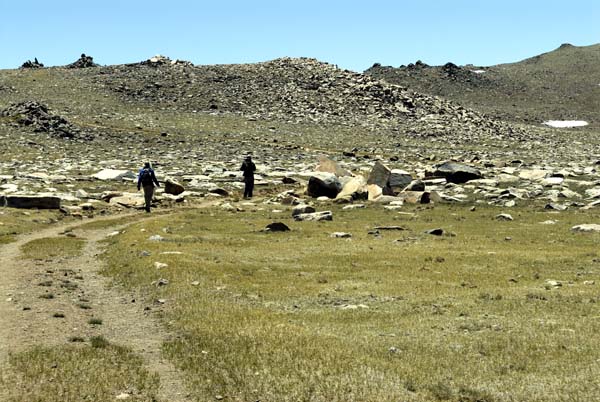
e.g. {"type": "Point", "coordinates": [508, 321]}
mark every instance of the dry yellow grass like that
{"type": "Point", "coordinates": [96, 373]}
{"type": "Point", "coordinates": [401, 316]}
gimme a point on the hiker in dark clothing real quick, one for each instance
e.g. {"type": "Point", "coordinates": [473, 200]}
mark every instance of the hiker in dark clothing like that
{"type": "Point", "coordinates": [248, 167]}
{"type": "Point", "coordinates": [147, 180]}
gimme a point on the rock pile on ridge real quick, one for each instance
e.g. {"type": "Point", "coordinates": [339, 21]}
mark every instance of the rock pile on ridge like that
{"type": "Point", "coordinates": [32, 64]}
{"type": "Point", "coordinates": [38, 116]}
{"type": "Point", "coordinates": [299, 91]}
{"type": "Point", "coordinates": [83, 62]}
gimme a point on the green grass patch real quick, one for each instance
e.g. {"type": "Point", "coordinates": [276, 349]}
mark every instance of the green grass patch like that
{"type": "Point", "coordinates": [400, 316]}
{"type": "Point", "coordinates": [107, 223]}
{"type": "Point", "coordinates": [50, 247]}
{"type": "Point", "coordinates": [77, 373]}
{"type": "Point", "coordinates": [14, 222]}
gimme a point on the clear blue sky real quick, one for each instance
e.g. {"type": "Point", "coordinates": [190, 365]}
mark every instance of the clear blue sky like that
{"type": "Point", "coordinates": [352, 34]}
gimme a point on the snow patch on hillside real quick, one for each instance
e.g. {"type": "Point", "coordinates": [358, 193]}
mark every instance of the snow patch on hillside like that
{"type": "Point", "coordinates": [566, 123]}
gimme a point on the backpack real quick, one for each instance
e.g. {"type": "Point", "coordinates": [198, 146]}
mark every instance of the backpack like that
{"type": "Point", "coordinates": [146, 177]}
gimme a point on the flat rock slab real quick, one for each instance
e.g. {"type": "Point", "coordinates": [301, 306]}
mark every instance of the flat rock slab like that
{"type": "Point", "coordinates": [389, 228]}
{"type": "Point", "coordinates": [587, 228]}
{"type": "Point", "coordinates": [112, 174]}
{"type": "Point", "coordinates": [128, 201]}
{"type": "Point", "coordinates": [315, 216]}
{"type": "Point", "coordinates": [457, 172]}
{"type": "Point", "coordinates": [31, 201]}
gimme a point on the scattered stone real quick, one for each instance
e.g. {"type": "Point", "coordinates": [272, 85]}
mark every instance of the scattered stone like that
{"type": "Point", "coordinates": [276, 227]}
{"type": "Point", "coordinates": [399, 180]}
{"type": "Point", "coordinates": [380, 176]}
{"type": "Point", "coordinates": [436, 232]}
{"type": "Point", "coordinates": [302, 209]}
{"type": "Point", "coordinates": [160, 265]}
{"type": "Point", "coordinates": [173, 187]}
{"type": "Point", "coordinates": [355, 189]}
{"type": "Point", "coordinates": [586, 228]}
{"type": "Point", "coordinates": [415, 185]}
{"type": "Point", "coordinates": [415, 197]}
{"type": "Point", "coordinates": [341, 235]}
{"type": "Point", "coordinates": [552, 181]}
{"type": "Point", "coordinates": [374, 192]}
{"type": "Point", "coordinates": [289, 180]}
{"type": "Point", "coordinates": [556, 207]}
{"type": "Point", "coordinates": [353, 206]}
{"type": "Point", "coordinates": [315, 216]}
{"type": "Point", "coordinates": [128, 200]}
{"type": "Point", "coordinates": [533, 174]}
{"type": "Point", "coordinates": [457, 172]}
{"type": "Point", "coordinates": [219, 191]}
{"type": "Point", "coordinates": [327, 165]}
{"type": "Point", "coordinates": [553, 284]}
{"type": "Point", "coordinates": [156, 238]}
{"type": "Point", "coordinates": [398, 228]}
{"type": "Point", "coordinates": [324, 184]}
{"type": "Point", "coordinates": [503, 217]}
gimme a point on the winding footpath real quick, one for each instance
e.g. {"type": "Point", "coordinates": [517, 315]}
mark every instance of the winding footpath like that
{"type": "Point", "coordinates": [27, 312]}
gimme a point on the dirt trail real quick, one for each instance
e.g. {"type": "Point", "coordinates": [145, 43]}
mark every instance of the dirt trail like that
{"type": "Point", "coordinates": [33, 292]}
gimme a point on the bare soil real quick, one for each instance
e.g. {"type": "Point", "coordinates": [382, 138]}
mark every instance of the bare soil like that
{"type": "Point", "coordinates": [48, 302]}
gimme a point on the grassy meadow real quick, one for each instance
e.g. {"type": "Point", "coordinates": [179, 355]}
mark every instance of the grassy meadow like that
{"type": "Point", "coordinates": [102, 371]}
{"type": "Point", "coordinates": [473, 315]}
{"type": "Point", "coordinates": [14, 222]}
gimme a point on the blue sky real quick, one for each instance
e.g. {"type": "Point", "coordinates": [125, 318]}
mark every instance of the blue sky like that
{"type": "Point", "coordinates": [352, 34]}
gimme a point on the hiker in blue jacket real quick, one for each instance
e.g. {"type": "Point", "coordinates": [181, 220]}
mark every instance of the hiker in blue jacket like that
{"type": "Point", "coordinates": [147, 180]}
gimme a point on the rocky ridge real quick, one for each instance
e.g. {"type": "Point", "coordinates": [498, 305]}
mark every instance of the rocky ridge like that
{"type": "Point", "coordinates": [298, 91]}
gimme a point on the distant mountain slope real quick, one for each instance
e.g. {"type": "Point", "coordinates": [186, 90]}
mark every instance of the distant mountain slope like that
{"type": "Point", "coordinates": [562, 84]}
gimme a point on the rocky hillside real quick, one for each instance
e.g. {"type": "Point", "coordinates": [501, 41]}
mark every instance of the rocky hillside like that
{"type": "Point", "coordinates": [297, 91]}
{"type": "Point", "coordinates": [560, 85]}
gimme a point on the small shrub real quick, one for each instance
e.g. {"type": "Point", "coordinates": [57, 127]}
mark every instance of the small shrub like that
{"type": "Point", "coordinates": [99, 342]}
{"type": "Point", "coordinates": [441, 392]}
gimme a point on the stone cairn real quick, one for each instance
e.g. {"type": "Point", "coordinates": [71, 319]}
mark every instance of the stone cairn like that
{"type": "Point", "coordinates": [32, 64]}
{"type": "Point", "coordinates": [83, 62]}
